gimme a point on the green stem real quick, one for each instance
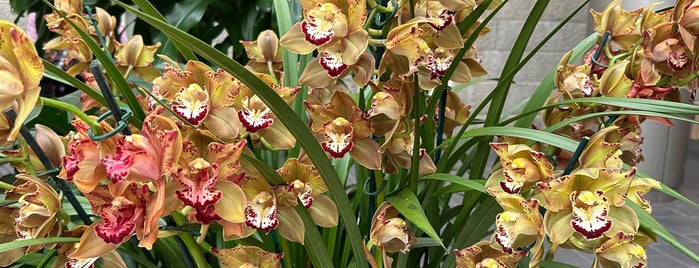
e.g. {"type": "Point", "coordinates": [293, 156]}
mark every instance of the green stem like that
{"type": "Point", "coordinates": [270, 69]}
{"type": "Point", "coordinates": [195, 250]}
{"type": "Point", "coordinates": [6, 186]}
{"type": "Point", "coordinates": [415, 161]}
{"type": "Point", "coordinates": [551, 252]}
{"type": "Point", "coordinates": [202, 233]}
{"type": "Point", "coordinates": [74, 110]}
{"type": "Point", "coordinates": [11, 160]}
{"type": "Point", "coordinates": [370, 19]}
{"type": "Point", "coordinates": [25, 157]}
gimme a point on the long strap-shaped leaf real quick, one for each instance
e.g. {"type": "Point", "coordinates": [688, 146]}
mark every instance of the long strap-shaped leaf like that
{"type": "Point", "coordinates": [36, 241]}
{"type": "Point", "coordinates": [544, 89]}
{"type": "Point", "coordinates": [148, 8]}
{"type": "Point", "coordinates": [503, 87]}
{"type": "Point", "coordinates": [297, 128]}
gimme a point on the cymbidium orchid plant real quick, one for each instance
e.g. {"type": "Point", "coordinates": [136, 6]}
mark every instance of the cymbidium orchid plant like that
{"type": "Point", "coordinates": [338, 143]}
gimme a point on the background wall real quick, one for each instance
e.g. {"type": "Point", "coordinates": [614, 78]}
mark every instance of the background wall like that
{"type": "Point", "coordinates": [505, 26]}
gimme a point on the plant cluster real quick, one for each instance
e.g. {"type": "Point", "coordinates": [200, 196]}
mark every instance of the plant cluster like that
{"type": "Point", "coordinates": [358, 159]}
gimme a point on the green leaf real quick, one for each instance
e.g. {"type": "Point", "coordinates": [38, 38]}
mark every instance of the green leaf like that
{"type": "Point", "coordinates": [409, 206]}
{"type": "Point", "coordinates": [285, 114]}
{"type": "Point", "coordinates": [531, 134]}
{"type": "Point", "coordinates": [425, 242]}
{"type": "Point", "coordinates": [112, 72]}
{"type": "Point", "coordinates": [544, 89]}
{"type": "Point", "coordinates": [150, 10]}
{"type": "Point", "coordinates": [610, 113]}
{"type": "Point", "coordinates": [471, 184]}
{"type": "Point", "coordinates": [184, 15]}
{"type": "Point", "coordinates": [648, 222]}
{"type": "Point", "coordinates": [36, 241]}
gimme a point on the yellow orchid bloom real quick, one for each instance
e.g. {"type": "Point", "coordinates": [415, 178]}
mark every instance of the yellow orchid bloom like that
{"type": "Point", "coordinates": [622, 250]}
{"type": "Point", "coordinates": [621, 23]}
{"type": "Point", "coordinates": [522, 167]}
{"type": "Point", "coordinates": [21, 70]}
{"type": "Point", "coordinates": [248, 256]}
{"type": "Point", "coordinates": [482, 254]}
{"type": "Point", "coordinates": [137, 57]}
{"type": "Point", "coordinates": [389, 232]}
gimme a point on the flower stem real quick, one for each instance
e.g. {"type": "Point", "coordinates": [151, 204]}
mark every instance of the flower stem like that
{"type": "Point", "coordinates": [202, 233]}
{"type": "Point", "coordinates": [74, 110]}
{"type": "Point", "coordinates": [551, 252]}
{"type": "Point", "coordinates": [415, 161]}
{"type": "Point", "coordinates": [6, 186]}
{"type": "Point", "coordinates": [186, 242]}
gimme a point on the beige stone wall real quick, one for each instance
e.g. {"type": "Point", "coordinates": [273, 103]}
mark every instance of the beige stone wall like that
{"type": "Point", "coordinates": [505, 27]}
{"type": "Point", "coordinates": [6, 13]}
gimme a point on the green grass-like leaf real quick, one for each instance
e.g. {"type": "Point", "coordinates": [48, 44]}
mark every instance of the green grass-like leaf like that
{"type": "Point", "coordinates": [471, 184]}
{"type": "Point", "coordinates": [36, 241]}
{"type": "Point", "coordinates": [409, 206]}
{"type": "Point", "coordinates": [149, 9]}
{"type": "Point", "coordinates": [547, 84]}
{"type": "Point", "coordinates": [285, 114]}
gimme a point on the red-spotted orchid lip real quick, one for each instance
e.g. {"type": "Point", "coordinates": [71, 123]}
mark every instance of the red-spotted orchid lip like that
{"type": "Point", "coordinates": [81, 263]}
{"type": "Point", "coordinates": [255, 119]}
{"type": "Point", "coordinates": [338, 137]}
{"type": "Point", "coordinates": [199, 189]}
{"type": "Point", "coordinates": [445, 19]}
{"type": "Point", "coordinates": [332, 62]}
{"type": "Point", "coordinates": [438, 65]}
{"type": "Point", "coordinates": [192, 104]}
{"type": "Point", "coordinates": [118, 220]}
{"type": "Point", "coordinates": [504, 224]}
{"type": "Point", "coordinates": [590, 213]}
{"type": "Point", "coordinates": [304, 192]}
{"type": "Point", "coordinates": [317, 30]}
{"type": "Point", "coordinates": [678, 59]}
{"type": "Point", "coordinates": [261, 212]}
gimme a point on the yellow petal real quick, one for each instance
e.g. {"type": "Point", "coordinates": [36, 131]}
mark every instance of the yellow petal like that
{"type": "Point", "coordinates": [323, 211]}
{"type": "Point", "coordinates": [295, 40]}
{"type": "Point", "coordinates": [231, 206]}
{"type": "Point", "coordinates": [291, 225]}
{"type": "Point", "coordinates": [91, 245]}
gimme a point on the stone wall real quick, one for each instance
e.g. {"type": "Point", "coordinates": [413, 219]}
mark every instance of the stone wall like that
{"type": "Point", "coordinates": [495, 47]}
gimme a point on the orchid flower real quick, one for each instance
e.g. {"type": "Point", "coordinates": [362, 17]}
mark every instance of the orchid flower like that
{"type": "Point", "coordinates": [137, 57]}
{"type": "Point", "coordinates": [389, 232]}
{"type": "Point", "coordinates": [343, 128]}
{"type": "Point", "coordinates": [21, 70]}
{"type": "Point", "coordinates": [209, 181]}
{"type": "Point", "coordinates": [202, 96]}
{"type": "Point", "coordinates": [335, 29]}
{"type": "Point", "coordinates": [621, 23]}
{"type": "Point", "coordinates": [590, 206]}
{"type": "Point", "coordinates": [482, 254]}
{"type": "Point", "coordinates": [522, 167]}
{"type": "Point", "coordinates": [248, 256]}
